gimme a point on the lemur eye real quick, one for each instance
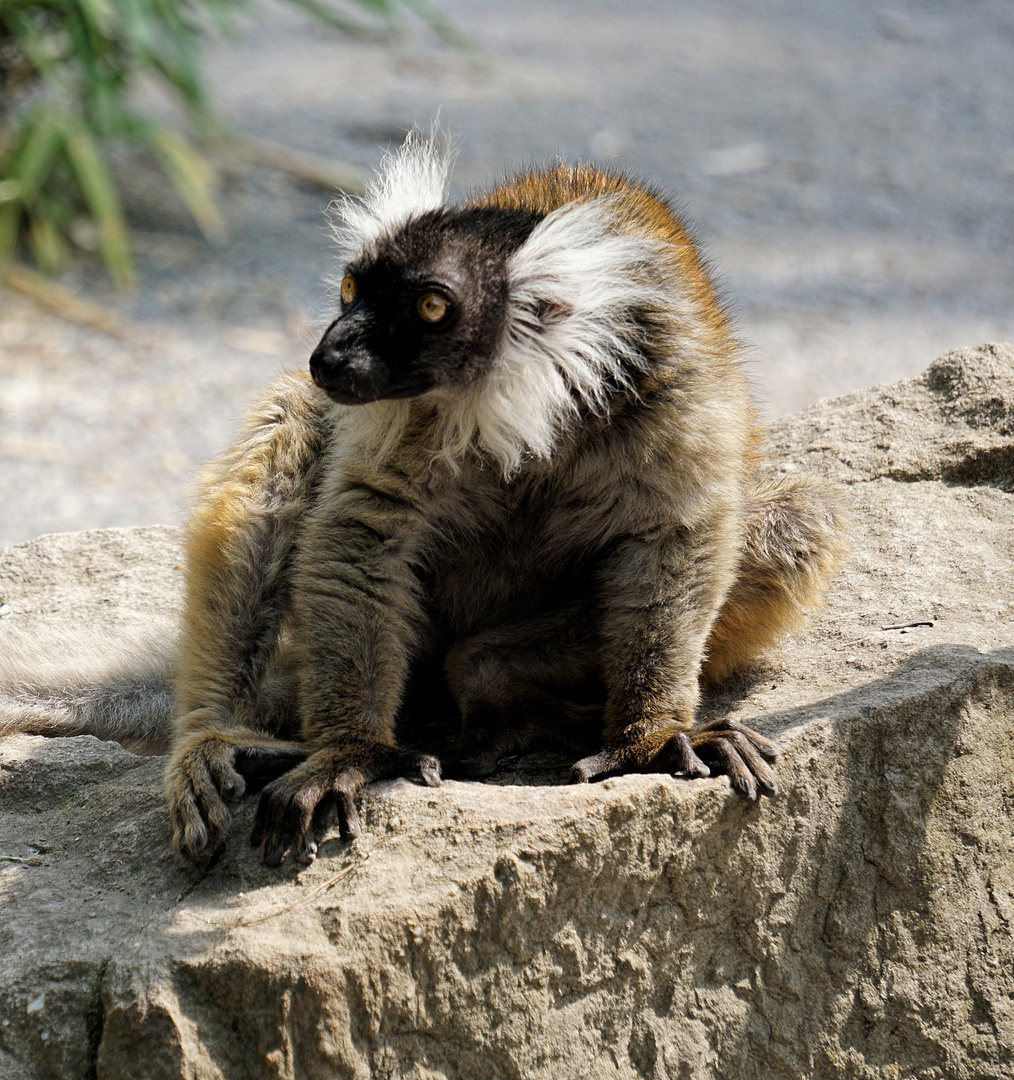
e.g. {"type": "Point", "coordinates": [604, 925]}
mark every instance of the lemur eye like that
{"type": "Point", "coordinates": [433, 307]}
{"type": "Point", "coordinates": [348, 289]}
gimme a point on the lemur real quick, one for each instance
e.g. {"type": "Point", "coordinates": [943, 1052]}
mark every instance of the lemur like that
{"type": "Point", "coordinates": [520, 490]}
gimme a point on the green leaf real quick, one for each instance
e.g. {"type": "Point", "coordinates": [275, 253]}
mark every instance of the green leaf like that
{"type": "Point", "coordinates": [35, 150]}
{"type": "Point", "coordinates": [192, 176]}
{"type": "Point", "coordinates": [83, 59]}
{"type": "Point", "coordinates": [100, 15]}
{"type": "Point", "coordinates": [99, 192]}
{"type": "Point", "coordinates": [138, 28]}
{"type": "Point", "coordinates": [183, 82]}
{"type": "Point", "coordinates": [10, 218]}
{"type": "Point", "coordinates": [49, 249]}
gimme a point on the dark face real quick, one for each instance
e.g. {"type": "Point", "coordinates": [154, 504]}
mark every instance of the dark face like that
{"type": "Point", "coordinates": [426, 312]}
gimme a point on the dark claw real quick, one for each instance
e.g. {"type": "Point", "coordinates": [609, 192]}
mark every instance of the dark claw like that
{"type": "Point", "coordinates": [429, 770]}
{"type": "Point", "coordinates": [722, 746]}
{"type": "Point", "coordinates": [596, 767]}
{"type": "Point", "coordinates": [324, 817]}
{"type": "Point", "coordinates": [686, 762]}
{"type": "Point", "coordinates": [349, 824]}
{"type": "Point", "coordinates": [742, 754]}
{"type": "Point", "coordinates": [581, 773]}
{"type": "Point", "coordinates": [765, 747]}
{"type": "Point", "coordinates": [727, 760]}
{"type": "Point", "coordinates": [750, 752]}
{"type": "Point", "coordinates": [298, 808]}
{"type": "Point", "coordinates": [274, 849]}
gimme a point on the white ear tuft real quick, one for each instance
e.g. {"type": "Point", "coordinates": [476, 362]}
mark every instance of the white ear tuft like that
{"type": "Point", "coordinates": [410, 182]}
{"type": "Point", "coordinates": [572, 336]}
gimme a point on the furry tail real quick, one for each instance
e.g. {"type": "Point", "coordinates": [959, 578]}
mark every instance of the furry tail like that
{"type": "Point", "coordinates": [794, 542]}
{"type": "Point", "coordinates": [50, 685]}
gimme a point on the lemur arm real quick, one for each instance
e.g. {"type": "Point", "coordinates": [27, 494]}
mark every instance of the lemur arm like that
{"type": "Point", "coordinates": [661, 591]}
{"type": "Point", "coordinates": [240, 541]}
{"type": "Point", "coordinates": [357, 620]}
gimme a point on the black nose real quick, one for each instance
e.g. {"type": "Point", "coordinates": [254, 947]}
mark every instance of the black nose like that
{"type": "Point", "coordinates": [350, 376]}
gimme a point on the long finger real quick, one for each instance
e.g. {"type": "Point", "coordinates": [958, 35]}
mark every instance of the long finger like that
{"type": "Point", "coordinates": [765, 747]}
{"type": "Point", "coordinates": [429, 770]}
{"type": "Point", "coordinates": [727, 760]}
{"type": "Point", "coordinates": [324, 816]}
{"type": "Point", "coordinates": [228, 781]}
{"type": "Point", "coordinates": [685, 761]}
{"type": "Point", "coordinates": [273, 825]}
{"type": "Point", "coordinates": [197, 812]}
{"type": "Point", "coordinates": [190, 835]}
{"type": "Point", "coordinates": [767, 779]}
{"type": "Point", "coordinates": [346, 789]}
{"type": "Point", "coordinates": [597, 766]}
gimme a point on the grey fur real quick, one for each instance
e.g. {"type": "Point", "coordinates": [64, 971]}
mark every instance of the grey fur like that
{"type": "Point", "coordinates": [56, 684]}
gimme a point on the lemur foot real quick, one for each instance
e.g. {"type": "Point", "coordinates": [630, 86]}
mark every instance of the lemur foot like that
{"type": "Point", "coordinates": [297, 809]}
{"type": "Point", "coordinates": [716, 748]}
{"type": "Point", "coordinates": [211, 768]}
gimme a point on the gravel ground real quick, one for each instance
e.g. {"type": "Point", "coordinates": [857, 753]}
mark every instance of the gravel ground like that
{"type": "Point", "coordinates": [849, 166]}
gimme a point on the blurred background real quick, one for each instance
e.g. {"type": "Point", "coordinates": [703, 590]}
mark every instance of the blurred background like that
{"type": "Point", "coordinates": [847, 165]}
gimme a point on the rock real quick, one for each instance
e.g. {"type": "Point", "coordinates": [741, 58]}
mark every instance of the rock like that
{"type": "Point", "coordinates": [857, 927]}
{"type": "Point", "coordinates": [108, 577]}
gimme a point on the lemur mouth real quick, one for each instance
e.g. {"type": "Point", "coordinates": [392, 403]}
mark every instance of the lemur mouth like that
{"type": "Point", "coordinates": [343, 396]}
{"type": "Point", "coordinates": [357, 376]}
{"type": "Point", "coordinates": [346, 392]}
{"type": "Point", "coordinates": [348, 379]}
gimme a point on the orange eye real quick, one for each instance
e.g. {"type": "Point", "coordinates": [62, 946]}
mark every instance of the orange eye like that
{"type": "Point", "coordinates": [432, 307]}
{"type": "Point", "coordinates": [348, 289]}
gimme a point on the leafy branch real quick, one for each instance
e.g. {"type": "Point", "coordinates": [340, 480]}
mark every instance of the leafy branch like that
{"type": "Point", "coordinates": [66, 69]}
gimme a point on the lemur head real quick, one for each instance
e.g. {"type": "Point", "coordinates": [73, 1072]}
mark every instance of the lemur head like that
{"type": "Point", "coordinates": [423, 308]}
{"type": "Point", "coordinates": [511, 315]}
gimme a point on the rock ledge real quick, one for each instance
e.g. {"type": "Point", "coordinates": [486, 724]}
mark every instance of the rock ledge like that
{"type": "Point", "coordinates": [857, 927]}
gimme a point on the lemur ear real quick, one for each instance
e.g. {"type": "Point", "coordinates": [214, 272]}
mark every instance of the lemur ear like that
{"type": "Point", "coordinates": [552, 312]}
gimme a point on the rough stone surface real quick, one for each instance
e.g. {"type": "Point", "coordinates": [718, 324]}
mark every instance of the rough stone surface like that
{"type": "Point", "coordinates": [857, 926]}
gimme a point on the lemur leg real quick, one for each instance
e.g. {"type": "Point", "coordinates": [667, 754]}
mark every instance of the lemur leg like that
{"type": "Point", "coordinates": [792, 544]}
{"type": "Point", "coordinates": [653, 644]}
{"type": "Point", "coordinates": [357, 625]}
{"type": "Point", "coordinates": [239, 547]}
{"type": "Point", "coordinates": [523, 682]}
